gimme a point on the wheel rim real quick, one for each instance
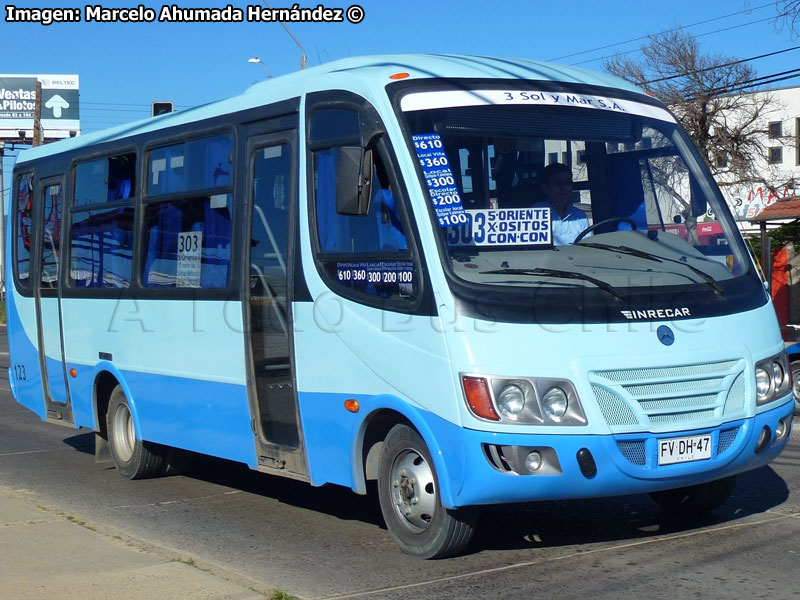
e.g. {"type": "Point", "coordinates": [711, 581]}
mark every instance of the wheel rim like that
{"type": "Point", "coordinates": [123, 437]}
{"type": "Point", "coordinates": [413, 490]}
{"type": "Point", "coordinates": [796, 384]}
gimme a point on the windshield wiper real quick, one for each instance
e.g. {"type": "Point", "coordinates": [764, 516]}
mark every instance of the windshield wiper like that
{"type": "Point", "coordinates": [558, 274]}
{"type": "Point", "coordinates": [622, 250]}
{"type": "Point", "coordinates": [648, 256]}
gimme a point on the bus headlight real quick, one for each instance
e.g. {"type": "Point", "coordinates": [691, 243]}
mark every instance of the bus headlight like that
{"type": "Point", "coordinates": [511, 401]}
{"type": "Point", "coordinates": [555, 403]}
{"type": "Point", "coordinates": [762, 385]}
{"type": "Point", "coordinates": [772, 379]}
{"type": "Point", "coordinates": [524, 400]}
{"type": "Point", "coordinates": [777, 374]}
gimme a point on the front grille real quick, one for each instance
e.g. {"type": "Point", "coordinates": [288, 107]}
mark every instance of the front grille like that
{"type": "Point", "coordinates": [633, 451]}
{"type": "Point", "coordinates": [662, 397]}
{"type": "Point", "coordinates": [726, 438]}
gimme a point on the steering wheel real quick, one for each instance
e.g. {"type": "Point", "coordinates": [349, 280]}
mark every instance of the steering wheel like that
{"type": "Point", "coordinates": [594, 226]}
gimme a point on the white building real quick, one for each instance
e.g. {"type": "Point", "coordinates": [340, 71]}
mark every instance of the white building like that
{"type": "Point", "coordinates": [780, 164]}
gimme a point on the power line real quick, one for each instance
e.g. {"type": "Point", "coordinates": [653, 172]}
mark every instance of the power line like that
{"type": "Point", "coordinates": [644, 37]}
{"type": "Point", "coordinates": [765, 80]}
{"type": "Point", "coordinates": [728, 64]}
{"type": "Point", "coordinates": [696, 36]}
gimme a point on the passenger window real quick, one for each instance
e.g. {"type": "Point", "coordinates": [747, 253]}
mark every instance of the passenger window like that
{"type": "Point", "coordinates": [23, 225]}
{"type": "Point", "coordinates": [188, 239]}
{"type": "Point", "coordinates": [200, 164]}
{"type": "Point", "coordinates": [51, 236]}
{"type": "Point", "coordinates": [188, 242]}
{"type": "Point", "coordinates": [106, 180]}
{"type": "Point", "coordinates": [100, 238]}
{"type": "Point", "coordinates": [101, 248]}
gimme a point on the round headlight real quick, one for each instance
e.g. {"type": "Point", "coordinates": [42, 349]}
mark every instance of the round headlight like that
{"type": "Point", "coordinates": [511, 401]}
{"type": "Point", "coordinates": [777, 374]}
{"type": "Point", "coordinates": [554, 403]}
{"type": "Point", "coordinates": [762, 383]}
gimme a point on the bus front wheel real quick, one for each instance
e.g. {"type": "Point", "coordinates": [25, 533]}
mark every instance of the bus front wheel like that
{"type": "Point", "coordinates": [695, 499]}
{"type": "Point", "coordinates": [410, 501]}
{"type": "Point", "coordinates": [133, 458]}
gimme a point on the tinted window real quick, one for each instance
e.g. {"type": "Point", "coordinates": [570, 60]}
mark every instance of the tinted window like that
{"type": "Point", "coordinates": [192, 165]}
{"type": "Point", "coordinates": [368, 254]}
{"type": "Point", "coordinates": [188, 243]}
{"type": "Point", "coordinates": [105, 180]}
{"type": "Point", "coordinates": [23, 225]}
{"type": "Point", "coordinates": [334, 123]}
{"type": "Point", "coordinates": [380, 230]}
{"type": "Point", "coordinates": [51, 236]}
{"type": "Point", "coordinates": [101, 248]}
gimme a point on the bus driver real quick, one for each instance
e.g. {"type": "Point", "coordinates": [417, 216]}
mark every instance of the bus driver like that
{"type": "Point", "coordinates": [567, 220]}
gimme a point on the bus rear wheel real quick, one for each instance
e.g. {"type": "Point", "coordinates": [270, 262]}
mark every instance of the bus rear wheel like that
{"type": "Point", "coordinates": [133, 458]}
{"type": "Point", "coordinates": [408, 491]}
{"type": "Point", "coordinates": [695, 499]}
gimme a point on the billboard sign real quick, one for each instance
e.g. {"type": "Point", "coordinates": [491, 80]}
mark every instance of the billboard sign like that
{"type": "Point", "coordinates": [60, 106]}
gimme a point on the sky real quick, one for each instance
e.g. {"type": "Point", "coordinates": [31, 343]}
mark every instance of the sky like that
{"type": "Point", "coordinates": [123, 67]}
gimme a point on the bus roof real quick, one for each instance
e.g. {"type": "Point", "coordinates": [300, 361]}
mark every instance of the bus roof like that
{"type": "Point", "coordinates": [368, 69]}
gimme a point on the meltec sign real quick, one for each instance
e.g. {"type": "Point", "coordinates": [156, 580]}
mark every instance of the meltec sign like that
{"type": "Point", "coordinates": [60, 114]}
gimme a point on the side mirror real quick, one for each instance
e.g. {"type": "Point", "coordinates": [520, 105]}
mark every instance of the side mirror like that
{"type": "Point", "coordinates": [353, 181]}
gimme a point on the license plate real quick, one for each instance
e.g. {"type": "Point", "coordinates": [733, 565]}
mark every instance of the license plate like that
{"type": "Point", "coordinates": [685, 449]}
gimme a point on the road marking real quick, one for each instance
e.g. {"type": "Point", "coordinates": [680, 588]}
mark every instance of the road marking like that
{"type": "Point", "coordinates": [178, 501]}
{"type": "Point", "coordinates": [27, 452]}
{"type": "Point", "coordinates": [546, 560]}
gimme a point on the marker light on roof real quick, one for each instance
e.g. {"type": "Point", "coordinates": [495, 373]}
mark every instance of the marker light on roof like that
{"type": "Point", "coordinates": [399, 76]}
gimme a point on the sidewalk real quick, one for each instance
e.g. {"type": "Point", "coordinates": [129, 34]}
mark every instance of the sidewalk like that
{"type": "Point", "coordinates": [48, 554]}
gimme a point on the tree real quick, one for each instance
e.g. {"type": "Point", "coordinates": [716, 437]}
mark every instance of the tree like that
{"type": "Point", "coordinates": [789, 15]}
{"type": "Point", "coordinates": [705, 93]}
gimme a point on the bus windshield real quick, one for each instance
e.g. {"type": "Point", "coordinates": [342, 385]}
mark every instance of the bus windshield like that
{"type": "Point", "coordinates": [550, 193]}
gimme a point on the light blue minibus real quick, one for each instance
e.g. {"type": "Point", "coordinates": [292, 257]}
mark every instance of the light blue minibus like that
{"type": "Point", "coordinates": [458, 276]}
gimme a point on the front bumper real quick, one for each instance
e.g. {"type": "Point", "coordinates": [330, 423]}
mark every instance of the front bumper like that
{"type": "Point", "coordinates": [625, 464]}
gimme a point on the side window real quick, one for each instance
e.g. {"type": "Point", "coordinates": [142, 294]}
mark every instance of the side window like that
{"type": "Point", "coordinates": [101, 231]}
{"type": "Point", "coordinates": [51, 236]}
{"type": "Point", "coordinates": [23, 223]}
{"type": "Point", "coordinates": [188, 236]}
{"type": "Point", "coordinates": [106, 180]}
{"type": "Point", "coordinates": [379, 231]}
{"type": "Point", "coordinates": [364, 255]}
{"type": "Point", "coordinates": [200, 164]}
{"type": "Point", "coordinates": [188, 242]}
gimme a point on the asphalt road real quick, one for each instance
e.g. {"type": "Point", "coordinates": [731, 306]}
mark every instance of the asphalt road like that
{"type": "Point", "coordinates": [330, 543]}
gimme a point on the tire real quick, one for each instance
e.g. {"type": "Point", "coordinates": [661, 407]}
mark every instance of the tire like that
{"type": "Point", "coordinates": [795, 364]}
{"type": "Point", "coordinates": [695, 499]}
{"type": "Point", "coordinates": [133, 458]}
{"type": "Point", "coordinates": [410, 502]}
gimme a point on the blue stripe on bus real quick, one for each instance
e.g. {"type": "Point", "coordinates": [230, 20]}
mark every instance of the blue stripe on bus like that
{"type": "Point", "coordinates": [334, 456]}
{"type": "Point", "coordinates": [202, 416]}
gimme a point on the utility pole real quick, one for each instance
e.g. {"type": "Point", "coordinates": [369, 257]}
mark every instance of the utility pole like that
{"type": "Point", "coordinates": [37, 116]}
{"type": "Point", "coordinates": [2, 227]}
